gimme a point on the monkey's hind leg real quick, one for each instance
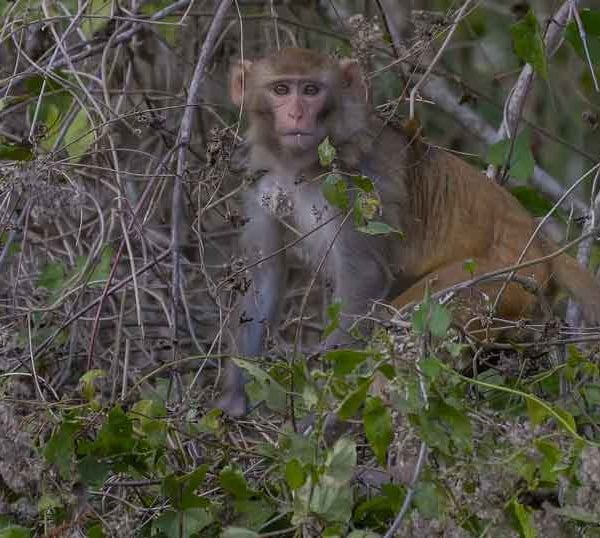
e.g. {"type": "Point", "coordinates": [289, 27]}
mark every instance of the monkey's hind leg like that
{"type": "Point", "coordinates": [516, 302]}
{"type": "Point", "coordinates": [233, 401]}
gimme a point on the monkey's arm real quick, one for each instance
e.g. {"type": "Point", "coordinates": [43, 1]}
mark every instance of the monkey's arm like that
{"type": "Point", "coordinates": [361, 276]}
{"type": "Point", "coordinates": [258, 308]}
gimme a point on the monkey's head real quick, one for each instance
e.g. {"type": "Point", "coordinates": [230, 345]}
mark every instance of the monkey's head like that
{"type": "Point", "coordinates": [294, 98]}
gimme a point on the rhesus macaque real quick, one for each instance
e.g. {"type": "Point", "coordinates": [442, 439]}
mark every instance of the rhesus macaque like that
{"type": "Point", "coordinates": [447, 210]}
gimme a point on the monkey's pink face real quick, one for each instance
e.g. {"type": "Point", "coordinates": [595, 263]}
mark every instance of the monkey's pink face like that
{"type": "Point", "coordinates": [298, 106]}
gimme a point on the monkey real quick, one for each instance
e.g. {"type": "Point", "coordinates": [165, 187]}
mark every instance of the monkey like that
{"type": "Point", "coordinates": [448, 212]}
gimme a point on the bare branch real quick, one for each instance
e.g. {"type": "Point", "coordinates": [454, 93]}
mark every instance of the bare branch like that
{"type": "Point", "coordinates": [184, 137]}
{"type": "Point", "coordinates": [513, 108]}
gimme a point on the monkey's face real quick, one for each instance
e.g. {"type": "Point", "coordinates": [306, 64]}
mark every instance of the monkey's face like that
{"type": "Point", "coordinates": [294, 98]}
{"type": "Point", "coordinates": [297, 106]}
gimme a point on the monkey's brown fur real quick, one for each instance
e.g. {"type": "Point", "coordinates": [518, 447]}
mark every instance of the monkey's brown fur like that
{"type": "Point", "coordinates": [447, 210]}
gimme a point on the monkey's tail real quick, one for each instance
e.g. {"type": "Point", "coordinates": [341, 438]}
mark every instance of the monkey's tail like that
{"type": "Point", "coordinates": [580, 284]}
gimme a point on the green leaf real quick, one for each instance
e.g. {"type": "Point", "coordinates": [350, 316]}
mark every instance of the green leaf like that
{"type": "Point", "coordinates": [521, 163]}
{"type": "Point", "coordinates": [295, 475]}
{"type": "Point", "coordinates": [195, 478]}
{"type": "Point", "coordinates": [549, 467]}
{"type": "Point", "coordinates": [591, 21]}
{"type": "Point", "coordinates": [181, 489]}
{"type": "Point", "coordinates": [252, 513]}
{"type": "Point", "coordinates": [420, 318]}
{"type": "Point", "coordinates": [79, 136]}
{"type": "Point", "coordinates": [335, 191]}
{"type": "Point", "coordinates": [523, 520]}
{"type": "Point", "coordinates": [333, 314]}
{"type": "Point", "coordinates": [16, 152]}
{"type": "Point", "coordinates": [352, 402]}
{"type": "Point", "coordinates": [470, 266]}
{"type": "Point", "coordinates": [366, 206]}
{"type": "Point", "coordinates": [378, 427]}
{"type": "Point", "coordinates": [532, 200]}
{"type": "Point", "coordinates": [429, 500]}
{"type": "Point", "coordinates": [15, 531]}
{"type": "Point", "coordinates": [591, 24]}
{"type": "Point", "coordinates": [381, 507]}
{"type": "Point", "coordinates": [93, 471]}
{"type": "Point", "coordinates": [331, 503]}
{"type": "Point", "coordinates": [52, 276]}
{"type": "Point", "coordinates": [100, 12]}
{"type": "Point", "coordinates": [345, 361]}
{"type": "Point", "coordinates": [327, 153]}
{"type": "Point", "coordinates": [60, 450]}
{"type": "Point", "coordinates": [576, 514]}
{"type": "Point", "coordinates": [102, 270]}
{"type": "Point", "coordinates": [591, 394]}
{"type": "Point", "coordinates": [537, 413]}
{"type": "Point", "coordinates": [95, 531]}
{"type": "Point", "coordinates": [86, 382]}
{"type": "Point", "coordinates": [455, 348]}
{"type": "Point", "coordinates": [374, 227]}
{"type": "Point", "coordinates": [300, 447]}
{"type": "Point", "coordinates": [529, 44]}
{"type": "Point", "coordinates": [433, 317]}
{"type": "Point", "coordinates": [264, 386]}
{"type": "Point", "coordinates": [237, 532]}
{"type": "Point", "coordinates": [233, 482]}
{"type": "Point", "coordinates": [54, 104]}
{"type": "Point", "coordinates": [445, 427]}
{"type": "Point", "coordinates": [363, 183]}
{"type": "Point", "coordinates": [50, 117]}
{"type": "Point", "coordinates": [340, 463]}
{"type": "Point", "coordinates": [183, 524]}
{"type": "Point", "coordinates": [150, 416]}
{"type": "Point", "coordinates": [116, 436]}
{"type": "Point", "coordinates": [15, 247]}
{"type": "Point", "coordinates": [440, 320]}
{"type": "Point", "coordinates": [48, 502]}
{"type": "Point", "coordinates": [569, 422]}
{"type": "Point", "coordinates": [431, 367]}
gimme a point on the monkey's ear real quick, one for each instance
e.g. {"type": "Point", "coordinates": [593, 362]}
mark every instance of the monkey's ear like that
{"type": "Point", "coordinates": [236, 81]}
{"type": "Point", "coordinates": [353, 79]}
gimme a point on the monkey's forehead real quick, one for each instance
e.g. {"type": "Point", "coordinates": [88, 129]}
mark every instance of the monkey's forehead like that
{"type": "Point", "coordinates": [296, 61]}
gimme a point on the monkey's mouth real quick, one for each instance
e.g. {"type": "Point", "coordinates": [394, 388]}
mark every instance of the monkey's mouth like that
{"type": "Point", "coordinates": [300, 134]}
{"type": "Point", "coordinates": [298, 139]}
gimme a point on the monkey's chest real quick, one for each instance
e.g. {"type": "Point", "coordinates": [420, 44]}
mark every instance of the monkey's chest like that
{"type": "Point", "coordinates": [304, 214]}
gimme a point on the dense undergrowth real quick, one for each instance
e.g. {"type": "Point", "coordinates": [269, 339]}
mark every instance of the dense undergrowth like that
{"type": "Point", "coordinates": [501, 450]}
{"type": "Point", "coordinates": [118, 272]}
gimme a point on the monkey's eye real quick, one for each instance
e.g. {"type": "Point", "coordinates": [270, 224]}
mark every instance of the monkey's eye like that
{"type": "Point", "coordinates": [281, 89]}
{"type": "Point", "coordinates": [311, 89]}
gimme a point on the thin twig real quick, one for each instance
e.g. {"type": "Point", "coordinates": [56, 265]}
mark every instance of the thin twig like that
{"type": "Point", "coordinates": [585, 250]}
{"type": "Point", "coordinates": [421, 81]}
{"type": "Point", "coordinates": [184, 138]}
{"type": "Point", "coordinates": [514, 105]}
{"type": "Point", "coordinates": [583, 37]}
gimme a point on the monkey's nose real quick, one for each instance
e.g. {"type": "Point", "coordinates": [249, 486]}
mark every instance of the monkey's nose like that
{"type": "Point", "coordinates": [296, 112]}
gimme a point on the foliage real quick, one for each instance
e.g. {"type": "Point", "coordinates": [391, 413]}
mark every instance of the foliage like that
{"type": "Point", "coordinates": [115, 293]}
{"type": "Point", "coordinates": [487, 427]}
